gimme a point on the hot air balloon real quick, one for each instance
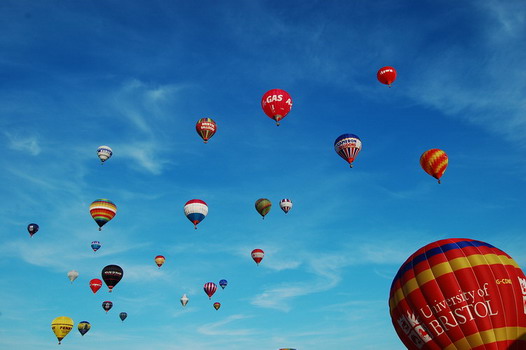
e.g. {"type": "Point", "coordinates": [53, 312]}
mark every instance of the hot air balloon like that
{"type": "Point", "coordinates": [184, 300]}
{"type": "Point", "coordinates": [257, 255]}
{"type": "Point", "coordinates": [434, 162]}
{"type": "Point", "coordinates": [217, 305]}
{"type": "Point", "coordinates": [95, 245]}
{"type": "Point", "coordinates": [84, 327]}
{"type": "Point", "coordinates": [72, 275]}
{"type": "Point", "coordinates": [104, 153]}
{"type": "Point", "coordinates": [107, 305]}
{"type": "Point", "coordinates": [61, 326]}
{"type": "Point", "coordinates": [276, 104]}
{"type": "Point", "coordinates": [195, 210]}
{"type": "Point", "coordinates": [386, 75]}
{"type": "Point", "coordinates": [123, 316]}
{"type": "Point", "coordinates": [285, 205]}
{"type": "Point", "coordinates": [159, 260]}
{"type": "Point", "coordinates": [95, 284]}
{"type": "Point", "coordinates": [348, 146]}
{"type": "Point", "coordinates": [210, 288]}
{"type": "Point", "coordinates": [111, 275]}
{"type": "Point", "coordinates": [459, 294]}
{"type": "Point", "coordinates": [102, 211]}
{"type": "Point", "coordinates": [263, 206]}
{"type": "Point", "coordinates": [223, 283]}
{"type": "Point", "coordinates": [206, 128]}
{"type": "Point", "coordinates": [32, 229]}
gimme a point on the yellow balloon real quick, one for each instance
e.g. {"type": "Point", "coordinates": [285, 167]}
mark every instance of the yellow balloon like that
{"type": "Point", "coordinates": [61, 326]}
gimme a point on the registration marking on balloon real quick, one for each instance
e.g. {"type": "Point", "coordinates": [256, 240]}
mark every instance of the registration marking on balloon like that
{"type": "Point", "coordinates": [458, 294]}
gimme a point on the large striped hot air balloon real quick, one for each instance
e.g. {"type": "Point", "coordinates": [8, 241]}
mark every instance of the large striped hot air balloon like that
{"type": "Point", "coordinates": [206, 128]}
{"type": "Point", "coordinates": [459, 294]}
{"type": "Point", "coordinates": [102, 211]}
{"type": "Point", "coordinates": [210, 288]}
{"type": "Point", "coordinates": [434, 162]}
{"type": "Point", "coordinates": [348, 146]}
{"type": "Point", "coordinates": [263, 206]}
{"type": "Point", "coordinates": [195, 210]}
{"type": "Point", "coordinates": [276, 104]}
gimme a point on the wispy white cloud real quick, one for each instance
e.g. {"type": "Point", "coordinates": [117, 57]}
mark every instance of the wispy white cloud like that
{"type": "Point", "coordinates": [224, 327]}
{"type": "Point", "coordinates": [23, 143]}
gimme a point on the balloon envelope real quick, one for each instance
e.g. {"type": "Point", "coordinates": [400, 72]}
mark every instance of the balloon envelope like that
{"type": "Point", "coordinates": [104, 153]}
{"type": "Point", "coordinates": [123, 316]}
{"type": "Point", "coordinates": [32, 229]}
{"type": "Point", "coordinates": [61, 326]}
{"type": "Point", "coordinates": [95, 245]}
{"type": "Point", "coordinates": [263, 206]}
{"type": "Point", "coordinates": [386, 75]}
{"type": "Point", "coordinates": [102, 211]}
{"type": "Point", "coordinates": [257, 255]}
{"type": "Point", "coordinates": [72, 275]}
{"type": "Point", "coordinates": [195, 210]}
{"type": "Point", "coordinates": [223, 283]}
{"type": "Point", "coordinates": [84, 327]}
{"type": "Point", "coordinates": [285, 205]}
{"type": "Point", "coordinates": [459, 294]}
{"type": "Point", "coordinates": [210, 288]}
{"type": "Point", "coordinates": [206, 128]}
{"type": "Point", "coordinates": [348, 146]}
{"type": "Point", "coordinates": [111, 275]}
{"type": "Point", "coordinates": [276, 104]}
{"type": "Point", "coordinates": [434, 162]}
{"type": "Point", "coordinates": [95, 284]}
{"type": "Point", "coordinates": [107, 305]}
{"type": "Point", "coordinates": [184, 300]}
{"type": "Point", "coordinates": [159, 260]}
{"type": "Point", "coordinates": [217, 305]}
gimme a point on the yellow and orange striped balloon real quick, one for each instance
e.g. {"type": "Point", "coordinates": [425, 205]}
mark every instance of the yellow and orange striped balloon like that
{"type": "Point", "coordinates": [434, 162]}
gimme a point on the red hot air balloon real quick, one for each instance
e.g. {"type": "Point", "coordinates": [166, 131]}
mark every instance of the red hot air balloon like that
{"type": "Point", "coordinates": [386, 75]}
{"type": "Point", "coordinates": [210, 288]}
{"type": "Point", "coordinates": [434, 162]}
{"type": "Point", "coordinates": [276, 104]}
{"type": "Point", "coordinates": [459, 294]}
{"type": "Point", "coordinates": [257, 255]}
{"type": "Point", "coordinates": [95, 284]}
{"type": "Point", "coordinates": [206, 128]}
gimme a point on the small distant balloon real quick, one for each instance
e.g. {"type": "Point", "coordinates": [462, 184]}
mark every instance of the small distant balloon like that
{"type": "Point", "coordinates": [195, 210]}
{"type": "Point", "coordinates": [386, 75]}
{"type": "Point", "coordinates": [111, 275]}
{"type": "Point", "coordinates": [263, 206]}
{"type": "Point", "coordinates": [348, 146]}
{"type": "Point", "coordinates": [104, 153]}
{"type": "Point", "coordinates": [95, 284]}
{"type": "Point", "coordinates": [285, 205]}
{"type": "Point", "coordinates": [217, 305]}
{"type": "Point", "coordinates": [257, 255]}
{"type": "Point", "coordinates": [159, 260]}
{"type": "Point", "coordinates": [206, 128]}
{"type": "Point", "coordinates": [107, 305]}
{"type": "Point", "coordinates": [102, 210]}
{"type": "Point", "coordinates": [210, 288]}
{"type": "Point", "coordinates": [72, 275]}
{"type": "Point", "coordinates": [276, 104]}
{"type": "Point", "coordinates": [223, 283]}
{"type": "Point", "coordinates": [84, 327]}
{"type": "Point", "coordinates": [32, 229]}
{"type": "Point", "coordinates": [95, 245]}
{"type": "Point", "coordinates": [61, 326]}
{"type": "Point", "coordinates": [123, 316]}
{"type": "Point", "coordinates": [434, 162]}
{"type": "Point", "coordinates": [184, 300]}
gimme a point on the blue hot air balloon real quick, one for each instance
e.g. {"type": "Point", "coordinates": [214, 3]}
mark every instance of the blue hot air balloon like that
{"type": "Point", "coordinates": [223, 283]}
{"type": "Point", "coordinates": [95, 245]}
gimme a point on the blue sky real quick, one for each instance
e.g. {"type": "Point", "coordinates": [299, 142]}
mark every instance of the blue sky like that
{"type": "Point", "coordinates": [138, 75]}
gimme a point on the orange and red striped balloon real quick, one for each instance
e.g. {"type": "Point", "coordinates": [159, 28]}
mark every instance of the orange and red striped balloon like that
{"type": "Point", "coordinates": [434, 162]}
{"type": "Point", "coordinates": [459, 294]}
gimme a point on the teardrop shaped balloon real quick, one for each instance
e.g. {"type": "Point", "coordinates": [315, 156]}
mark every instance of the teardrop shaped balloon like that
{"type": "Point", "coordinates": [285, 205]}
{"type": "Point", "coordinates": [107, 305]}
{"type": "Point", "coordinates": [210, 288]}
{"type": "Point", "coordinates": [206, 128]}
{"type": "Point", "coordinates": [217, 305]}
{"type": "Point", "coordinates": [32, 229]}
{"type": "Point", "coordinates": [61, 326]}
{"type": "Point", "coordinates": [111, 275]}
{"type": "Point", "coordinates": [84, 327]}
{"type": "Point", "coordinates": [104, 153]}
{"type": "Point", "coordinates": [123, 316]}
{"type": "Point", "coordinates": [257, 255]}
{"type": "Point", "coordinates": [434, 162]}
{"type": "Point", "coordinates": [95, 245]}
{"type": "Point", "coordinates": [459, 294]}
{"type": "Point", "coordinates": [95, 284]}
{"type": "Point", "coordinates": [159, 260]}
{"type": "Point", "coordinates": [184, 300]}
{"type": "Point", "coordinates": [263, 206]}
{"type": "Point", "coordinates": [276, 104]}
{"type": "Point", "coordinates": [195, 210]}
{"type": "Point", "coordinates": [72, 275]}
{"type": "Point", "coordinates": [223, 283]}
{"type": "Point", "coordinates": [102, 211]}
{"type": "Point", "coordinates": [386, 75]}
{"type": "Point", "coordinates": [348, 146]}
